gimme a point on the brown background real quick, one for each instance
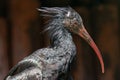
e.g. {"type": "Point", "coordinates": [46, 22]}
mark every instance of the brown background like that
{"type": "Point", "coordinates": [21, 27]}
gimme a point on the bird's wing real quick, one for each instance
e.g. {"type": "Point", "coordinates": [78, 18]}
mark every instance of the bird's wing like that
{"type": "Point", "coordinates": [32, 73]}
{"type": "Point", "coordinates": [24, 71]}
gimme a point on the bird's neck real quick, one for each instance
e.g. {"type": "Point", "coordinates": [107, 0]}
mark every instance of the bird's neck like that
{"type": "Point", "coordinates": [59, 36]}
{"type": "Point", "coordinates": [61, 39]}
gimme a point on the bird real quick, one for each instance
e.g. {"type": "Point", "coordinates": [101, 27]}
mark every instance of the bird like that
{"type": "Point", "coordinates": [53, 61]}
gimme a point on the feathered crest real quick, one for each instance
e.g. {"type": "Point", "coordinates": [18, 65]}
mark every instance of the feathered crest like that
{"type": "Point", "coordinates": [55, 26]}
{"type": "Point", "coordinates": [53, 13]}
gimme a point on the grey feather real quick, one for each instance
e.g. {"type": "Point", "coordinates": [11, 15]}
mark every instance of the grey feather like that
{"type": "Point", "coordinates": [48, 63]}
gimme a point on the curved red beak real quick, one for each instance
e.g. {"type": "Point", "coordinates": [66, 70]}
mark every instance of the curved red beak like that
{"type": "Point", "coordinates": [85, 35]}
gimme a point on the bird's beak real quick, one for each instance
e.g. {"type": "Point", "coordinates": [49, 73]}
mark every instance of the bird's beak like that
{"type": "Point", "coordinates": [85, 35]}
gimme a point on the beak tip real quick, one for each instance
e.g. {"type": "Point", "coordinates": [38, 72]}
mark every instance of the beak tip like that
{"type": "Point", "coordinates": [103, 69]}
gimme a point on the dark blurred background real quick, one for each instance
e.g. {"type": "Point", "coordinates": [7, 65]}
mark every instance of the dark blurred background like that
{"type": "Point", "coordinates": [21, 27]}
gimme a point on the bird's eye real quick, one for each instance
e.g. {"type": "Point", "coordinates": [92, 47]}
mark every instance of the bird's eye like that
{"type": "Point", "coordinates": [66, 22]}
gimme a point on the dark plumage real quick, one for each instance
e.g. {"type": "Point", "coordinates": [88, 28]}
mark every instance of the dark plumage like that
{"type": "Point", "coordinates": [53, 61]}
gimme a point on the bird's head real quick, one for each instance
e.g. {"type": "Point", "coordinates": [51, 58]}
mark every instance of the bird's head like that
{"type": "Point", "coordinates": [73, 22]}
